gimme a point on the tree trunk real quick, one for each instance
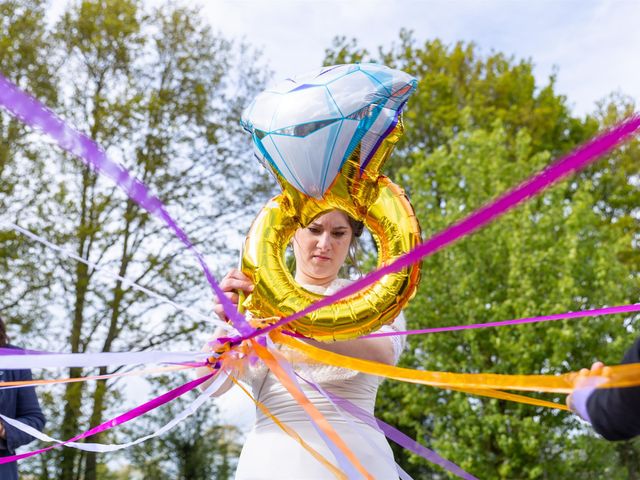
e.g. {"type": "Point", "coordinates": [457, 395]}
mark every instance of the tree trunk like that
{"type": "Point", "coordinates": [73, 391]}
{"type": "Point", "coordinates": [101, 387]}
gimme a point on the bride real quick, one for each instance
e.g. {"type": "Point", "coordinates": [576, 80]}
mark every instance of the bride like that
{"type": "Point", "coordinates": [320, 251]}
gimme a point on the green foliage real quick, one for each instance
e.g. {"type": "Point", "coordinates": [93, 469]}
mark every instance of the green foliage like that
{"type": "Point", "coordinates": [196, 449]}
{"type": "Point", "coordinates": [344, 50]}
{"type": "Point", "coordinates": [552, 255]}
{"type": "Point", "coordinates": [477, 126]}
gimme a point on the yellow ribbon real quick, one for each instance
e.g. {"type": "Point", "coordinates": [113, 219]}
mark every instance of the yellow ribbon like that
{"type": "Point", "coordinates": [478, 383]}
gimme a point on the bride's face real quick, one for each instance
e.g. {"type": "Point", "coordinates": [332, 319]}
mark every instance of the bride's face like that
{"type": "Point", "coordinates": [321, 248]}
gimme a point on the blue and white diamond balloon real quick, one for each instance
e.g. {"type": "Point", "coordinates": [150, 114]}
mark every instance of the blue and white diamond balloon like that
{"type": "Point", "coordinates": [307, 126]}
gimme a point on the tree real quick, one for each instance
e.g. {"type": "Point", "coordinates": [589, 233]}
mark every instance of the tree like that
{"type": "Point", "coordinates": [452, 78]}
{"type": "Point", "coordinates": [198, 448]}
{"type": "Point", "coordinates": [24, 48]}
{"type": "Point", "coordinates": [551, 255]}
{"type": "Point", "coordinates": [477, 125]}
{"type": "Point", "coordinates": [162, 94]}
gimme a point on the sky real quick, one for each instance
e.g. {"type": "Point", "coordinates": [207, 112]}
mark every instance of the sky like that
{"type": "Point", "coordinates": [592, 46]}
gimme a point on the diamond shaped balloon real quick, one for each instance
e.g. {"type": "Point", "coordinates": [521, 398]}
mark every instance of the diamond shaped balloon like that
{"type": "Point", "coordinates": [306, 127]}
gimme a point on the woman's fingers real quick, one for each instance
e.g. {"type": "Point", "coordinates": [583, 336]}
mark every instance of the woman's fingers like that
{"type": "Point", "coordinates": [598, 369]}
{"type": "Point", "coordinates": [231, 284]}
{"type": "Point", "coordinates": [236, 280]}
{"type": "Point", "coordinates": [569, 402]}
{"type": "Point", "coordinates": [219, 309]}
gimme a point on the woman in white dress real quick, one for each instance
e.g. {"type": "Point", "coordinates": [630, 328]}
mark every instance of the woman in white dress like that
{"type": "Point", "coordinates": [320, 251]}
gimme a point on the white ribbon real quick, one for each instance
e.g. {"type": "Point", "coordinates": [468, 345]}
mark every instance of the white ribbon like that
{"type": "Point", "coordinates": [112, 447]}
{"type": "Point", "coordinates": [102, 359]}
{"type": "Point", "coordinates": [126, 282]}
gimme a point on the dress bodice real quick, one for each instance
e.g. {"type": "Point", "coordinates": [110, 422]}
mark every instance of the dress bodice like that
{"type": "Point", "coordinates": [270, 453]}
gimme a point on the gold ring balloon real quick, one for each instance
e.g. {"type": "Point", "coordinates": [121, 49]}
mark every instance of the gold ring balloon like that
{"type": "Point", "coordinates": [325, 136]}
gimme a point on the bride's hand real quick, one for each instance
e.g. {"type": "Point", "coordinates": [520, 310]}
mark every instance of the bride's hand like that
{"type": "Point", "coordinates": [233, 282]}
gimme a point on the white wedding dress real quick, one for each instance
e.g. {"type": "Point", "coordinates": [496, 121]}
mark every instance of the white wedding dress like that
{"type": "Point", "coordinates": [271, 454]}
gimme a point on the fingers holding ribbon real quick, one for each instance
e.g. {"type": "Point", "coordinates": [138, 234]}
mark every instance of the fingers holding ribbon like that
{"type": "Point", "coordinates": [232, 284]}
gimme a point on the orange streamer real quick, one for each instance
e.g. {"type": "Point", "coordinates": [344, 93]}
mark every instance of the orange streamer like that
{"type": "Point", "coordinates": [311, 410]}
{"type": "Point", "coordinates": [620, 375]}
{"type": "Point", "coordinates": [511, 397]}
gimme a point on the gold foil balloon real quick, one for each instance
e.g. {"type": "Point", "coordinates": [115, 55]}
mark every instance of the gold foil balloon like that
{"type": "Point", "coordinates": [326, 146]}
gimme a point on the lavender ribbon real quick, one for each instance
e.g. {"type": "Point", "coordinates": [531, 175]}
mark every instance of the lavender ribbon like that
{"type": "Point", "coordinates": [392, 433]}
{"type": "Point", "coordinates": [18, 359]}
{"type": "Point", "coordinates": [364, 434]}
{"type": "Point", "coordinates": [580, 395]}
{"type": "Point", "coordinates": [343, 462]}
{"type": "Point", "coordinates": [33, 113]}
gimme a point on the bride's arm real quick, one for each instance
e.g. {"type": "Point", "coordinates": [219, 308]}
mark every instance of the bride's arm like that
{"type": "Point", "coordinates": [381, 349]}
{"type": "Point", "coordinates": [374, 349]}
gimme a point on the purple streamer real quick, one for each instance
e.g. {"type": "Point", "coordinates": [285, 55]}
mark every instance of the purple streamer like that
{"type": "Point", "coordinates": [393, 433]}
{"type": "Point", "coordinates": [382, 137]}
{"type": "Point", "coordinates": [120, 419]}
{"type": "Point", "coordinates": [547, 318]}
{"type": "Point", "coordinates": [22, 351]}
{"type": "Point", "coordinates": [578, 159]}
{"type": "Point", "coordinates": [33, 113]}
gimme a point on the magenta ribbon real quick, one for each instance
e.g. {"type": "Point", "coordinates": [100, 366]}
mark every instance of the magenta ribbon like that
{"type": "Point", "coordinates": [578, 159]}
{"type": "Point", "coordinates": [518, 321]}
{"type": "Point", "coordinates": [33, 113]}
{"type": "Point", "coordinates": [120, 419]}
